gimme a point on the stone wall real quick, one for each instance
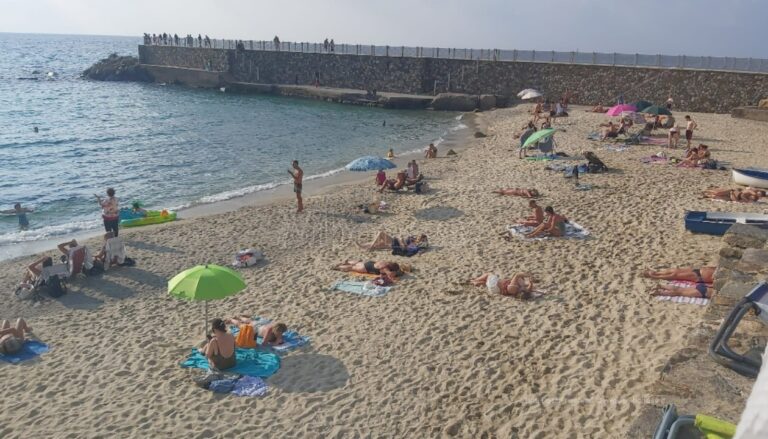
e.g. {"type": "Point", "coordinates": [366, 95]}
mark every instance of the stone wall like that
{"type": "Point", "coordinates": [693, 90]}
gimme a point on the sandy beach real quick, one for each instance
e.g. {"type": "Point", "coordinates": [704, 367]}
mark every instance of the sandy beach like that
{"type": "Point", "coordinates": [432, 358]}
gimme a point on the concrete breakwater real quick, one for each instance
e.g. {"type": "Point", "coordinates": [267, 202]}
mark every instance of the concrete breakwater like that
{"type": "Point", "coordinates": [693, 90]}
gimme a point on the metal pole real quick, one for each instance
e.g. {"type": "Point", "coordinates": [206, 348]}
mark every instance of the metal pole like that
{"type": "Point", "coordinates": [614, 58]}
{"type": "Point", "coordinates": [553, 56]}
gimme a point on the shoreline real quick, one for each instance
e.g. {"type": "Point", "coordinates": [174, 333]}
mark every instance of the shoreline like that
{"type": "Point", "coordinates": [454, 139]}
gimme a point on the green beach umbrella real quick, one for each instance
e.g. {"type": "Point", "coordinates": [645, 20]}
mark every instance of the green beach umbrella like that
{"type": "Point", "coordinates": [538, 135]}
{"type": "Point", "coordinates": [642, 104]}
{"type": "Point", "coordinates": [656, 110]}
{"type": "Point", "coordinates": [206, 282]}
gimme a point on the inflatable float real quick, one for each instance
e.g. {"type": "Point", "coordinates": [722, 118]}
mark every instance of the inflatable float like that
{"type": "Point", "coordinates": [136, 218]}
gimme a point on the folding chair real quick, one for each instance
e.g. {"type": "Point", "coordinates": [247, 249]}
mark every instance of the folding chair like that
{"type": "Point", "coordinates": [756, 300]}
{"type": "Point", "coordinates": [673, 426]}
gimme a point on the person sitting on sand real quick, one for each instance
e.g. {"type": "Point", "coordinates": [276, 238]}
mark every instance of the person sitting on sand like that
{"type": "Point", "coordinates": [431, 152]}
{"type": "Point", "coordinates": [390, 154]}
{"type": "Point", "coordinates": [553, 225]}
{"type": "Point", "coordinates": [691, 158]}
{"type": "Point", "coordinates": [383, 241]}
{"type": "Point", "coordinates": [624, 126]}
{"type": "Point", "coordinates": [700, 290]}
{"type": "Point", "coordinates": [381, 177]}
{"type": "Point", "coordinates": [538, 215]}
{"type": "Point", "coordinates": [518, 192]}
{"type": "Point", "coordinates": [609, 130]}
{"type": "Point", "coordinates": [597, 109]}
{"type": "Point", "coordinates": [519, 286]}
{"type": "Point", "coordinates": [12, 337]}
{"type": "Point", "coordinates": [395, 185]}
{"type": "Point", "coordinates": [748, 195]}
{"type": "Point", "coordinates": [702, 275]}
{"type": "Point", "coordinates": [387, 269]}
{"type": "Point", "coordinates": [220, 347]}
{"type": "Point", "coordinates": [270, 333]}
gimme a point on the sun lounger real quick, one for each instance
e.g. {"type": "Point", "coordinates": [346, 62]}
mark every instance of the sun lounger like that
{"type": "Point", "coordinates": [79, 259]}
{"type": "Point", "coordinates": [115, 250]}
{"type": "Point", "coordinates": [757, 300]}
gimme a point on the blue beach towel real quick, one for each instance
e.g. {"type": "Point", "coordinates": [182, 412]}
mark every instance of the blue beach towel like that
{"type": "Point", "coordinates": [30, 349]}
{"type": "Point", "coordinates": [291, 339]}
{"type": "Point", "coordinates": [250, 362]}
{"type": "Point", "coordinates": [362, 288]}
{"type": "Point", "coordinates": [250, 386]}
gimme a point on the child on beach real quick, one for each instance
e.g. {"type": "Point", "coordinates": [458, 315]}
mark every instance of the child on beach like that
{"type": "Point", "coordinates": [21, 214]}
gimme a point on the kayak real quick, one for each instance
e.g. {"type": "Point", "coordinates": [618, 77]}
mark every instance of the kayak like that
{"type": "Point", "coordinates": [129, 218]}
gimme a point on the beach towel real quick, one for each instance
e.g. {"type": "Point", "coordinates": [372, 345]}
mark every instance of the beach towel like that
{"type": "Point", "coordinates": [361, 288]}
{"type": "Point", "coordinates": [615, 148]}
{"type": "Point", "coordinates": [682, 299]}
{"type": "Point", "coordinates": [572, 231]}
{"type": "Point", "coordinates": [541, 157]}
{"type": "Point", "coordinates": [250, 362]}
{"type": "Point", "coordinates": [30, 349]}
{"type": "Point", "coordinates": [291, 339]}
{"type": "Point", "coordinates": [250, 386]}
{"type": "Point", "coordinates": [654, 160]}
{"type": "Point", "coordinates": [594, 136]}
{"type": "Point", "coordinates": [558, 167]}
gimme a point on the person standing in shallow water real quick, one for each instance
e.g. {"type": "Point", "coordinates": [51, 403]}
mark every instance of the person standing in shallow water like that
{"type": "Point", "coordinates": [110, 211]}
{"type": "Point", "coordinates": [298, 175]}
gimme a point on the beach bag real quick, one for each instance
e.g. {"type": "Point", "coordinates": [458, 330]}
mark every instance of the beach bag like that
{"type": "Point", "coordinates": [246, 338]}
{"type": "Point", "coordinates": [247, 258]}
{"type": "Point", "coordinates": [95, 270]}
{"type": "Point", "coordinates": [710, 164]}
{"type": "Point", "coordinates": [492, 283]}
{"type": "Point", "coordinates": [54, 287]}
{"type": "Point", "coordinates": [128, 262]}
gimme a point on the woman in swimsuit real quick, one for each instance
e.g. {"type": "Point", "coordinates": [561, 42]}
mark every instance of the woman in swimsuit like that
{"type": "Point", "coordinates": [527, 193]}
{"type": "Point", "coordinates": [383, 241]}
{"type": "Point", "coordinates": [388, 269]}
{"type": "Point", "coordinates": [554, 225]}
{"type": "Point", "coordinates": [699, 290]}
{"type": "Point", "coordinates": [220, 348]}
{"type": "Point", "coordinates": [700, 275]}
{"type": "Point", "coordinates": [519, 286]}
{"type": "Point", "coordinates": [748, 195]}
{"type": "Point", "coordinates": [12, 337]}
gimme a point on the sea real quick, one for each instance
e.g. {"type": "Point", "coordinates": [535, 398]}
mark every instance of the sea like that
{"type": "Point", "coordinates": [164, 146]}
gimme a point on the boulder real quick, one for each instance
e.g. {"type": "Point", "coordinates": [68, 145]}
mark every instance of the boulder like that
{"type": "Point", "coordinates": [763, 103]}
{"type": "Point", "coordinates": [454, 102]}
{"type": "Point", "coordinates": [746, 236]}
{"type": "Point", "coordinates": [486, 102]}
{"type": "Point", "coordinates": [118, 68]}
{"type": "Point", "coordinates": [753, 261]}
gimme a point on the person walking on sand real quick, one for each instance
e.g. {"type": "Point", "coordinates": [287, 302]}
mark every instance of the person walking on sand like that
{"type": "Point", "coordinates": [110, 211]}
{"type": "Point", "coordinates": [298, 175]}
{"type": "Point", "coordinates": [670, 102]}
{"type": "Point", "coordinates": [690, 125]}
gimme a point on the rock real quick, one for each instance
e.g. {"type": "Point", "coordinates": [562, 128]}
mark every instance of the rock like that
{"type": "Point", "coordinates": [735, 290]}
{"type": "Point", "coordinates": [763, 103]}
{"type": "Point", "coordinates": [450, 153]}
{"type": "Point", "coordinates": [118, 68]}
{"type": "Point", "coordinates": [746, 236]}
{"type": "Point", "coordinates": [454, 102]}
{"type": "Point", "coordinates": [480, 134]}
{"type": "Point", "coordinates": [753, 261]}
{"type": "Point", "coordinates": [730, 253]}
{"type": "Point", "coordinates": [486, 102]}
{"type": "Point", "coordinates": [403, 102]}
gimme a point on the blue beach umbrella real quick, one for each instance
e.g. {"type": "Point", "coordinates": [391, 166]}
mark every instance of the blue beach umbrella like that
{"type": "Point", "coordinates": [369, 163]}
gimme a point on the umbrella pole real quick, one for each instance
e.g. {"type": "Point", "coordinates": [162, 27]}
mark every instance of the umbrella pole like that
{"type": "Point", "coordinates": [205, 323]}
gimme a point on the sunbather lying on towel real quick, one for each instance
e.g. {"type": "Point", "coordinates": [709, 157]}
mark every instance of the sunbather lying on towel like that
{"type": "Point", "coordinates": [597, 109]}
{"type": "Point", "coordinates": [383, 241]}
{"type": "Point", "coordinates": [12, 337]}
{"type": "Point", "coordinates": [391, 270]}
{"type": "Point", "coordinates": [519, 286]}
{"type": "Point", "coordinates": [703, 274]}
{"type": "Point", "coordinates": [220, 347]}
{"type": "Point", "coordinates": [395, 185]}
{"type": "Point", "coordinates": [270, 333]}
{"type": "Point", "coordinates": [553, 225]}
{"type": "Point", "coordinates": [699, 290]}
{"type": "Point", "coordinates": [748, 195]}
{"type": "Point", "coordinates": [537, 217]}
{"type": "Point", "coordinates": [518, 192]}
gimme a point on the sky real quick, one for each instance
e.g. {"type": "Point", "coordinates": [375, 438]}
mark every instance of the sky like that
{"type": "Point", "coordinates": [673, 27]}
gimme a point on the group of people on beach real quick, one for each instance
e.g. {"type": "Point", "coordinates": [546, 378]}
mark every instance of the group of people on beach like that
{"type": "Point", "coordinates": [166, 39]}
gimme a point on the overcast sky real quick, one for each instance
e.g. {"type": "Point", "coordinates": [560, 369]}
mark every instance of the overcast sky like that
{"type": "Point", "coordinates": [690, 27]}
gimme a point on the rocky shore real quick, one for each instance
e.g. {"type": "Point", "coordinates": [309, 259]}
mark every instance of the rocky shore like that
{"type": "Point", "coordinates": [118, 68]}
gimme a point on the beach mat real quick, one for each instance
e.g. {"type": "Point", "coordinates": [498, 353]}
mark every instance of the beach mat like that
{"type": "Point", "coordinates": [250, 362]}
{"type": "Point", "coordinates": [291, 339]}
{"type": "Point", "coordinates": [29, 350]}
{"type": "Point", "coordinates": [572, 231]}
{"type": "Point", "coordinates": [615, 148]}
{"type": "Point", "coordinates": [360, 288]}
{"type": "Point", "coordinates": [682, 299]}
{"type": "Point", "coordinates": [250, 386]}
{"type": "Point", "coordinates": [654, 160]}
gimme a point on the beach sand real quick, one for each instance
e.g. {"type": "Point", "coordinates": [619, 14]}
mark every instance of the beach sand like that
{"type": "Point", "coordinates": [432, 358]}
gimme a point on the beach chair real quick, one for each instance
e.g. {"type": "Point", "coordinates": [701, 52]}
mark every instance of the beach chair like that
{"type": "Point", "coordinates": [115, 252]}
{"type": "Point", "coordinates": [673, 426]}
{"type": "Point", "coordinates": [547, 146]}
{"type": "Point", "coordinates": [61, 271]}
{"type": "Point", "coordinates": [745, 364]}
{"type": "Point", "coordinates": [78, 260]}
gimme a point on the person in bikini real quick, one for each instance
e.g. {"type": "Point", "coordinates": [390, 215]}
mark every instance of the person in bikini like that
{"type": "Point", "coordinates": [220, 347]}
{"type": "Point", "coordinates": [703, 274]}
{"type": "Point", "coordinates": [270, 333]}
{"type": "Point", "coordinates": [298, 175]}
{"type": "Point", "coordinates": [701, 290]}
{"type": "Point", "coordinates": [12, 337]}
{"type": "Point", "coordinates": [391, 270]}
{"type": "Point", "coordinates": [519, 286]}
{"type": "Point", "coordinates": [518, 192]}
{"type": "Point", "coordinates": [748, 195]}
{"type": "Point", "coordinates": [538, 215]}
{"type": "Point", "coordinates": [554, 225]}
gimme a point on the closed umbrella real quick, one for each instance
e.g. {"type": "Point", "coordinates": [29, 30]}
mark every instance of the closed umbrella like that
{"type": "Point", "coordinates": [369, 163]}
{"type": "Point", "coordinates": [639, 105]}
{"type": "Point", "coordinates": [206, 282]}
{"type": "Point", "coordinates": [538, 135]}
{"type": "Point", "coordinates": [656, 110]}
{"type": "Point", "coordinates": [618, 109]}
{"type": "Point", "coordinates": [531, 94]}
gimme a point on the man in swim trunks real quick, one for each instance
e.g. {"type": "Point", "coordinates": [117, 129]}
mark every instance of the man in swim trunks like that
{"type": "Point", "coordinates": [298, 176]}
{"type": "Point", "coordinates": [690, 125]}
{"type": "Point", "coordinates": [21, 213]}
{"type": "Point", "coordinates": [554, 225]}
{"type": "Point", "coordinates": [536, 218]}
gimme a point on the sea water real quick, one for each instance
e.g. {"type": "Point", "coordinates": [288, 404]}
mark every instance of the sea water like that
{"type": "Point", "coordinates": [165, 146]}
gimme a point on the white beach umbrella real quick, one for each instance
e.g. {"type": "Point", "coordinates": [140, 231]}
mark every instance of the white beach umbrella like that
{"type": "Point", "coordinates": [522, 92]}
{"type": "Point", "coordinates": [531, 94]}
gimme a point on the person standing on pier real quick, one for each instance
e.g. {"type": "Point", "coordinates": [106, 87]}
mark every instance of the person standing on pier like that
{"type": "Point", "coordinates": [277, 43]}
{"type": "Point", "coordinates": [298, 175]}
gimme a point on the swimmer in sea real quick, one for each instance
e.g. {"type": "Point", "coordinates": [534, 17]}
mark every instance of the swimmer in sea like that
{"type": "Point", "coordinates": [21, 213]}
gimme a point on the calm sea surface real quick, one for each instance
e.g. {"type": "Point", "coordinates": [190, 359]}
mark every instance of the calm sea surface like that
{"type": "Point", "coordinates": [165, 146]}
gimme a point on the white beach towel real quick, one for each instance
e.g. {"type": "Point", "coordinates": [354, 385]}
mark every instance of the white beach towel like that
{"type": "Point", "coordinates": [683, 299]}
{"type": "Point", "coordinates": [572, 231]}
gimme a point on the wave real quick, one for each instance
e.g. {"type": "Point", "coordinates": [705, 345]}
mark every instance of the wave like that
{"type": "Point", "coordinates": [48, 231]}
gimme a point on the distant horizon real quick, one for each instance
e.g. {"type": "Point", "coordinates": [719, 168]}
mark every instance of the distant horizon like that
{"type": "Point", "coordinates": [139, 37]}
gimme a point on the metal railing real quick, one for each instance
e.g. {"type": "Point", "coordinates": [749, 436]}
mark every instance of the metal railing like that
{"type": "Point", "coordinates": [756, 65]}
